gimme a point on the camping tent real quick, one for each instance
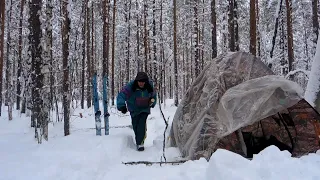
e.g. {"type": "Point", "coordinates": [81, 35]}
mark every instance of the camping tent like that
{"type": "Point", "coordinates": [238, 104]}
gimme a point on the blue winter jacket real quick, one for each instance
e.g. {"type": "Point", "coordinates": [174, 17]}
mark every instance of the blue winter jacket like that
{"type": "Point", "coordinates": [137, 100]}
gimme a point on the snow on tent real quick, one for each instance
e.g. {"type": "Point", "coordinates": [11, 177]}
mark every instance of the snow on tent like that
{"type": "Point", "coordinates": [238, 104]}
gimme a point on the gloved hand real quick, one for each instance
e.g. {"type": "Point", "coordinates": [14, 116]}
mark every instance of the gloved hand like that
{"type": "Point", "coordinates": [152, 104]}
{"type": "Point", "coordinates": [123, 109]}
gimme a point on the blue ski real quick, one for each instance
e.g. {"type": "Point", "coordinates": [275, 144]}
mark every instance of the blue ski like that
{"type": "Point", "coordinates": [105, 106]}
{"type": "Point", "coordinates": [97, 112]}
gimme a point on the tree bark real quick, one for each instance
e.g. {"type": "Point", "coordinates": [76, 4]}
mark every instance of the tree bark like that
{"type": "Point", "coordinates": [128, 19]}
{"type": "Point", "coordinates": [214, 29]}
{"type": "Point", "coordinates": [315, 21]}
{"type": "Point", "coordinates": [253, 25]}
{"type": "Point", "coordinates": [163, 70]}
{"type": "Point", "coordinates": [105, 19]}
{"type": "Point", "coordinates": [36, 64]}
{"type": "Point", "coordinates": [92, 60]}
{"type": "Point", "coordinates": [113, 50]}
{"type": "Point", "coordinates": [48, 77]}
{"type": "Point", "coordinates": [65, 50]}
{"type": "Point", "coordinates": [236, 26]}
{"type": "Point", "coordinates": [232, 41]}
{"type": "Point", "coordinates": [282, 37]}
{"type": "Point", "coordinates": [155, 59]}
{"type": "Point", "coordinates": [176, 100]}
{"type": "Point", "coordinates": [290, 36]}
{"type": "Point", "coordinates": [257, 29]}
{"type": "Point", "coordinates": [138, 38]}
{"type": "Point", "coordinates": [20, 56]}
{"type": "Point", "coordinates": [196, 38]}
{"type": "Point", "coordinates": [83, 53]}
{"type": "Point", "coordinates": [2, 14]}
{"type": "Point", "coordinates": [108, 42]}
{"type": "Point", "coordinates": [8, 58]}
{"type": "Point", "coordinates": [145, 38]}
{"type": "Point", "coordinates": [89, 75]}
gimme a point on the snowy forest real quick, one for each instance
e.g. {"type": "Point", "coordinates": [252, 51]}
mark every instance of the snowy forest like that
{"type": "Point", "coordinates": [50, 49]}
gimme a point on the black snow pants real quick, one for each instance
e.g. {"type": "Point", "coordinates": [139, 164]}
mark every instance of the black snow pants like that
{"type": "Point", "coordinates": [139, 125]}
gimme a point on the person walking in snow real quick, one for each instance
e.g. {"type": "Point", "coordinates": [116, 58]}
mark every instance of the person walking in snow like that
{"type": "Point", "coordinates": [138, 96]}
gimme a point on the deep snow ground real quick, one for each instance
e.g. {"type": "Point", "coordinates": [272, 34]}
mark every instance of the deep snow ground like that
{"type": "Point", "coordinates": [83, 155]}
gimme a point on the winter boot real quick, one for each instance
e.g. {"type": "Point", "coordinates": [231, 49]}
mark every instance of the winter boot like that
{"type": "Point", "coordinates": [140, 148]}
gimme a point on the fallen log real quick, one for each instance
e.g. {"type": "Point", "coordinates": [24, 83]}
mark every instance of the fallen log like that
{"type": "Point", "coordinates": [149, 163]}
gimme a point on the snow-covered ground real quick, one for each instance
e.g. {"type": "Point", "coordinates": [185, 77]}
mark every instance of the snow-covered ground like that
{"type": "Point", "coordinates": [83, 155]}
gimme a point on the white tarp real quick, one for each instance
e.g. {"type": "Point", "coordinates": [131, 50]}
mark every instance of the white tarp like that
{"type": "Point", "coordinates": [233, 91]}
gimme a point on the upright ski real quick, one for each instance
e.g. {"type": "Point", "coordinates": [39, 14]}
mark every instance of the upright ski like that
{"type": "Point", "coordinates": [105, 106]}
{"type": "Point", "coordinates": [97, 112]}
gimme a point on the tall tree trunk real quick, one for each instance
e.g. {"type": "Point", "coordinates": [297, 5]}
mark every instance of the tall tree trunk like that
{"type": "Point", "coordinates": [283, 61]}
{"type": "Point", "coordinates": [8, 65]}
{"type": "Point", "coordinates": [113, 50]}
{"type": "Point", "coordinates": [196, 38]}
{"type": "Point", "coordinates": [105, 55]}
{"type": "Point", "coordinates": [155, 61]}
{"type": "Point", "coordinates": [20, 56]}
{"type": "Point", "coordinates": [315, 21]}
{"type": "Point", "coordinates": [149, 52]}
{"type": "Point", "coordinates": [162, 73]}
{"type": "Point", "coordinates": [92, 43]}
{"type": "Point", "coordinates": [128, 19]}
{"type": "Point", "coordinates": [188, 62]}
{"type": "Point", "coordinates": [236, 27]}
{"type": "Point", "coordinates": [105, 18]}
{"type": "Point", "coordinates": [36, 64]}
{"type": "Point", "coordinates": [253, 25]}
{"type": "Point", "coordinates": [232, 41]}
{"type": "Point", "coordinates": [257, 29]}
{"type": "Point", "coordinates": [214, 29]}
{"type": "Point", "coordinates": [8, 58]}
{"type": "Point", "coordinates": [138, 37]}
{"type": "Point", "coordinates": [48, 94]}
{"type": "Point", "coordinates": [108, 42]}
{"type": "Point", "coordinates": [145, 38]}
{"type": "Point", "coordinates": [202, 36]}
{"type": "Point", "coordinates": [88, 57]}
{"type": "Point", "coordinates": [65, 50]}
{"type": "Point", "coordinates": [175, 66]}
{"type": "Point", "coordinates": [290, 36]}
{"type": "Point", "coordinates": [138, 59]}
{"type": "Point", "coordinates": [2, 14]}
{"type": "Point", "coordinates": [83, 53]}
{"type": "Point", "coordinates": [49, 32]}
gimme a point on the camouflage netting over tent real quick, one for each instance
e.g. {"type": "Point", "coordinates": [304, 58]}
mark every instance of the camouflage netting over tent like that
{"type": "Point", "coordinates": [233, 91]}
